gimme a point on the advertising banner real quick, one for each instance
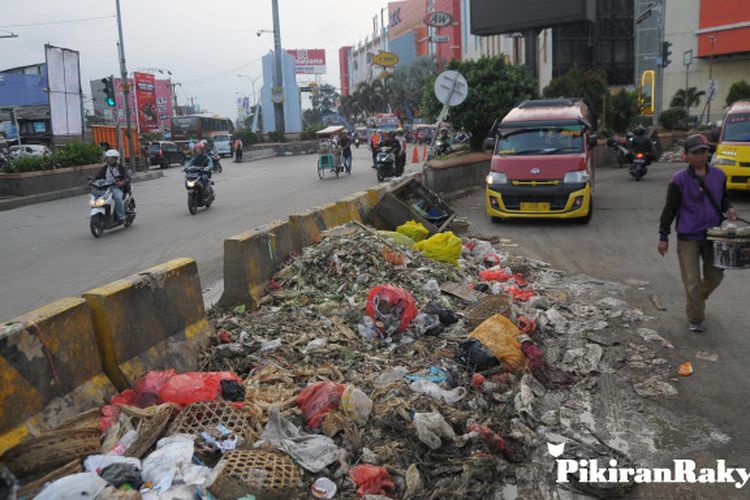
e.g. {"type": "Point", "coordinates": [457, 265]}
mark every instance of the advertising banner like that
{"type": "Point", "coordinates": [145, 97]}
{"type": "Point", "coordinates": [64, 80]}
{"type": "Point", "coordinates": [164, 104]}
{"type": "Point", "coordinates": [309, 62]}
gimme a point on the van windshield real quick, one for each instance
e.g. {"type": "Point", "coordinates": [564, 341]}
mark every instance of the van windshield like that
{"type": "Point", "coordinates": [221, 138]}
{"type": "Point", "coordinates": [562, 139]}
{"type": "Point", "coordinates": [737, 128]}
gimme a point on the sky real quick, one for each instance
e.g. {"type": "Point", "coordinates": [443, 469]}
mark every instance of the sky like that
{"type": "Point", "coordinates": [205, 44]}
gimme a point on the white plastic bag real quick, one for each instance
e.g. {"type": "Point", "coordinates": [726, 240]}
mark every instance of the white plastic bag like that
{"type": "Point", "coordinates": [95, 463]}
{"type": "Point", "coordinates": [431, 427]}
{"type": "Point", "coordinates": [436, 392]}
{"type": "Point", "coordinates": [74, 487]}
{"type": "Point", "coordinates": [171, 452]}
{"type": "Point", "coordinates": [356, 404]}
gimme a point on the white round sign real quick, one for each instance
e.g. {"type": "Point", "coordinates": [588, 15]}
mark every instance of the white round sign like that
{"type": "Point", "coordinates": [451, 88]}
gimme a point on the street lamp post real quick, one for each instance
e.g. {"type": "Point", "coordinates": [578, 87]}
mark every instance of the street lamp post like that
{"type": "Point", "coordinates": [710, 78]}
{"type": "Point", "coordinates": [125, 89]}
{"type": "Point", "coordinates": [255, 100]}
{"type": "Point", "coordinates": [278, 81]}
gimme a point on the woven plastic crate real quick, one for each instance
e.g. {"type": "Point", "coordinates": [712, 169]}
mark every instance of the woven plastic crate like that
{"type": "Point", "coordinates": [265, 474]}
{"type": "Point", "coordinates": [207, 416]}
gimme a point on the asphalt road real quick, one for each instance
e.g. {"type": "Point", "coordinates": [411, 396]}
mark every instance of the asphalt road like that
{"type": "Point", "coordinates": [620, 244]}
{"type": "Point", "coordinates": [47, 251]}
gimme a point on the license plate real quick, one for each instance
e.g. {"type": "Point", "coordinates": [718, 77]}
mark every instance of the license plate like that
{"type": "Point", "coordinates": [534, 207]}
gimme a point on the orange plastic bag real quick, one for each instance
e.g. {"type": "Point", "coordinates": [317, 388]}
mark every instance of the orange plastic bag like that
{"type": "Point", "coordinates": [188, 388]}
{"type": "Point", "coordinates": [318, 399]}
{"type": "Point", "coordinates": [384, 301]}
{"type": "Point", "coordinates": [500, 336]}
{"type": "Point", "coordinates": [372, 480]}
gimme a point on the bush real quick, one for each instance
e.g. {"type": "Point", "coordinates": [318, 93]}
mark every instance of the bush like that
{"type": "Point", "coordinates": [674, 119]}
{"type": "Point", "coordinates": [77, 153]}
{"type": "Point", "coordinates": [277, 136]}
{"type": "Point", "coordinates": [738, 91]}
{"type": "Point", "coordinates": [622, 110]}
{"type": "Point", "coordinates": [309, 133]}
{"type": "Point", "coordinates": [248, 137]}
{"type": "Point", "coordinates": [28, 164]}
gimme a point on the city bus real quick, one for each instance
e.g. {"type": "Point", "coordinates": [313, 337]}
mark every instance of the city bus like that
{"type": "Point", "coordinates": [202, 126]}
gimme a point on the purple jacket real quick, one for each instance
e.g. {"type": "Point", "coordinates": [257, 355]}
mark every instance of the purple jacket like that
{"type": "Point", "coordinates": [694, 211]}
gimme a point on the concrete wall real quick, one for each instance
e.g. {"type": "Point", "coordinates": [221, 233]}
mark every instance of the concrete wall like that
{"type": "Point", "coordinates": [31, 183]}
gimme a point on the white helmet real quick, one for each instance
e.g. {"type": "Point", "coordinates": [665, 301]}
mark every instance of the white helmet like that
{"type": "Point", "coordinates": [112, 153]}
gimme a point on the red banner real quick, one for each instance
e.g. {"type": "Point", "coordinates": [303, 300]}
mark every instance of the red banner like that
{"type": "Point", "coordinates": [145, 98]}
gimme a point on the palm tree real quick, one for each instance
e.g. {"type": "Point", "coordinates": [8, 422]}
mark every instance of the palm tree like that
{"type": "Point", "coordinates": [694, 98]}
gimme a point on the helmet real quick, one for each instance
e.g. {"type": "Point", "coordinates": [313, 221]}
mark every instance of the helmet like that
{"type": "Point", "coordinates": [399, 130]}
{"type": "Point", "coordinates": [199, 146]}
{"type": "Point", "coordinates": [640, 130]}
{"type": "Point", "coordinates": [112, 153]}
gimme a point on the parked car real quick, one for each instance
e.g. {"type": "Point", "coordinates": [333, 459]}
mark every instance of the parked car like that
{"type": "Point", "coordinates": [29, 150]}
{"type": "Point", "coordinates": [165, 153]}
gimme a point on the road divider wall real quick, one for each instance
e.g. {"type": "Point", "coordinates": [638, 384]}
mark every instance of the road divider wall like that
{"type": "Point", "coordinates": [49, 369]}
{"type": "Point", "coordinates": [152, 320]}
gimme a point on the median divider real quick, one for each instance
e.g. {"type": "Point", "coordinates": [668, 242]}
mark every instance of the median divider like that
{"type": "Point", "coordinates": [50, 369]}
{"type": "Point", "coordinates": [152, 320]}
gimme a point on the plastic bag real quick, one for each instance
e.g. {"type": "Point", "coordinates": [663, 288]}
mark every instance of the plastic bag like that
{"type": "Point", "coordinates": [436, 392]}
{"type": "Point", "coordinates": [392, 306]}
{"type": "Point", "coordinates": [161, 466]}
{"type": "Point", "coordinates": [356, 404]}
{"type": "Point", "coordinates": [148, 387]}
{"type": "Point", "coordinates": [76, 486]}
{"type": "Point", "coordinates": [476, 357]}
{"type": "Point", "coordinates": [441, 247]}
{"type": "Point", "coordinates": [431, 427]}
{"type": "Point", "coordinates": [231, 390]}
{"type": "Point", "coordinates": [447, 317]}
{"type": "Point", "coordinates": [192, 387]}
{"type": "Point", "coordinates": [318, 399]}
{"type": "Point", "coordinates": [372, 480]}
{"type": "Point", "coordinates": [502, 276]}
{"type": "Point", "coordinates": [399, 238]}
{"type": "Point", "coordinates": [428, 324]}
{"type": "Point", "coordinates": [500, 336]}
{"type": "Point", "coordinates": [414, 230]}
{"type": "Point", "coordinates": [120, 473]}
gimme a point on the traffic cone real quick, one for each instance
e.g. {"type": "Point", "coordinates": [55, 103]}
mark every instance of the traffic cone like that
{"type": "Point", "coordinates": [424, 152]}
{"type": "Point", "coordinates": [415, 154]}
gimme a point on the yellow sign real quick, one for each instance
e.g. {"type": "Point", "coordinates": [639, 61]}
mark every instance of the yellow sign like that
{"type": "Point", "coordinates": [385, 59]}
{"type": "Point", "coordinates": [648, 82]}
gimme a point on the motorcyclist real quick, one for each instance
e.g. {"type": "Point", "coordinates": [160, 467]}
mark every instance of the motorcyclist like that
{"type": "Point", "coordinates": [201, 159]}
{"type": "Point", "coordinates": [401, 138]}
{"type": "Point", "coordinates": [641, 142]}
{"type": "Point", "coordinates": [116, 174]}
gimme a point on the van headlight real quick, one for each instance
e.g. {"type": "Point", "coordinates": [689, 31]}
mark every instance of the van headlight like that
{"type": "Point", "coordinates": [577, 177]}
{"type": "Point", "coordinates": [728, 162]}
{"type": "Point", "coordinates": [496, 178]}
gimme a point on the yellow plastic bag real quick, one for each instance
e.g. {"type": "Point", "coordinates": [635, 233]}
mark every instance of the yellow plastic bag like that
{"type": "Point", "coordinates": [399, 238]}
{"type": "Point", "coordinates": [414, 230]}
{"type": "Point", "coordinates": [500, 336]}
{"type": "Point", "coordinates": [442, 247]}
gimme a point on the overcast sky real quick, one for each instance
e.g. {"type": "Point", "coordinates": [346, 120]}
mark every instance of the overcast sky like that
{"type": "Point", "coordinates": [204, 43]}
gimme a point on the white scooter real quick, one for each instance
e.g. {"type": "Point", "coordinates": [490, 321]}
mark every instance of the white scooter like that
{"type": "Point", "coordinates": [102, 205]}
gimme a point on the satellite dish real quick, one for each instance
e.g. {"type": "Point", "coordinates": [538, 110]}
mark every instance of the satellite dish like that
{"type": "Point", "coordinates": [451, 88]}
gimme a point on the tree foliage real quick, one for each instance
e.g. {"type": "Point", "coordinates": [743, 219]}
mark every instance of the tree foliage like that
{"type": "Point", "coordinates": [622, 110]}
{"type": "Point", "coordinates": [407, 84]}
{"type": "Point", "coordinates": [674, 119]}
{"type": "Point", "coordinates": [738, 91]}
{"type": "Point", "coordinates": [324, 98]}
{"type": "Point", "coordinates": [494, 89]}
{"type": "Point", "coordinates": [590, 84]}
{"type": "Point", "coordinates": [694, 98]}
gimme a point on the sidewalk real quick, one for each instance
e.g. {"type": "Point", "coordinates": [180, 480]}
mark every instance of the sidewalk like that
{"type": "Point", "coordinates": [11, 202]}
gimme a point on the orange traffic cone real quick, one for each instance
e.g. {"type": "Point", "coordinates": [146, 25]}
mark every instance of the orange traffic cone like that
{"type": "Point", "coordinates": [424, 152]}
{"type": "Point", "coordinates": [415, 154]}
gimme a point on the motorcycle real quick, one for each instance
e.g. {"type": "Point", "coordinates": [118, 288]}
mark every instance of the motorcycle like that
{"type": "Point", "coordinates": [216, 159]}
{"type": "Point", "coordinates": [623, 153]}
{"type": "Point", "coordinates": [639, 168]}
{"type": "Point", "coordinates": [198, 196]}
{"type": "Point", "coordinates": [356, 142]}
{"type": "Point", "coordinates": [102, 205]}
{"type": "Point", "coordinates": [387, 164]}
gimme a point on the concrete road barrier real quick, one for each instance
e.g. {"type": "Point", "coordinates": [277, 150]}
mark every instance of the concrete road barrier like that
{"type": "Point", "coordinates": [49, 369]}
{"type": "Point", "coordinates": [149, 321]}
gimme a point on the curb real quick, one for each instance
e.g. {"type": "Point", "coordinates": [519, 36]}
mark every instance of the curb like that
{"type": "Point", "coordinates": [20, 201]}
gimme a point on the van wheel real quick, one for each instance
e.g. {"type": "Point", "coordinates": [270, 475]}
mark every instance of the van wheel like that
{"type": "Point", "coordinates": [587, 218]}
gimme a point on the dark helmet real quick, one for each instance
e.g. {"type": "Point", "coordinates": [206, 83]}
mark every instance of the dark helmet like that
{"type": "Point", "coordinates": [640, 130]}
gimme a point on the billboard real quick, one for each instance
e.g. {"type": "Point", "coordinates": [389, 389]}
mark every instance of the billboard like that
{"type": "Point", "coordinates": [64, 84]}
{"type": "Point", "coordinates": [145, 97]}
{"type": "Point", "coordinates": [493, 17]}
{"type": "Point", "coordinates": [309, 62]}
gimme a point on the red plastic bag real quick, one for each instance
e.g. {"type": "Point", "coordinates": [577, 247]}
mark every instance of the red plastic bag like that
{"type": "Point", "coordinates": [526, 325]}
{"type": "Point", "coordinates": [191, 387]}
{"type": "Point", "coordinates": [518, 294]}
{"type": "Point", "coordinates": [386, 302]}
{"type": "Point", "coordinates": [318, 399]}
{"type": "Point", "coordinates": [372, 480]}
{"type": "Point", "coordinates": [501, 276]}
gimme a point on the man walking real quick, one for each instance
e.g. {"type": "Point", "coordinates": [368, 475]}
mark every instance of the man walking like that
{"type": "Point", "coordinates": [238, 150]}
{"type": "Point", "coordinates": [697, 197]}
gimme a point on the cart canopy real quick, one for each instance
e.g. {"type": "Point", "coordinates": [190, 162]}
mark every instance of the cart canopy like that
{"type": "Point", "coordinates": [333, 129]}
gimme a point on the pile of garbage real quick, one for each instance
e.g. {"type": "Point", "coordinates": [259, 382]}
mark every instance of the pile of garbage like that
{"type": "Point", "coordinates": [674, 155]}
{"type": "Point", "coordinates": [374, 366]}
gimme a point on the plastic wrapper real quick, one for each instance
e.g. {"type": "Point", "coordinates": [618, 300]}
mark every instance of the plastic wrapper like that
{"type": "Point", "coordinates": [427, 324]}
{"type": "Point", "coordinates": [372, 480]}
{"type": "Point", "coordinates": [436, 392]}
{"type": "Point", "coordinates": [441, 247]}
{"type": "Point", "coordinates": [318, 399]}
{"type": "Point", "coordinates": [414, 230]}
{"type": "Point", "coordinates": [391, 306]}
{"type": "Point", "coordinates": [431, 427]}
{"type": "Point", "coordinates": [356, 404]}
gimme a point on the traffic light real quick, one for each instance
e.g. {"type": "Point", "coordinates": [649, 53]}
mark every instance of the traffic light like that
{"type": "Point", "coordinates": [109, 92]}
{"type": "Point", "coordinates": [666, 51]}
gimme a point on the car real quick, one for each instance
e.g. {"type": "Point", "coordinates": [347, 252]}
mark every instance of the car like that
{"type": "Point", "coordinates": [29, 150]}
{"type": "Point", "coordinates": [165, 153]}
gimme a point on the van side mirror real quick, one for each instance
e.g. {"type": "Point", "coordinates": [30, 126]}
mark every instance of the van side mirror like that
{"type": "Point", "coordinates": [593, 140]}
{"type": "Point", "coordinates": [489, 143]}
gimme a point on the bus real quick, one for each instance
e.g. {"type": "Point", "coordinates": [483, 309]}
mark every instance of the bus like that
{"type": "Point", "coordinates": [384, 121]}
{"type": "Point", "coordinates": [203, 126]}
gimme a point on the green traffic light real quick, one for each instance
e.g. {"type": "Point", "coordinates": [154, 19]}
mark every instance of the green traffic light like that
{"type": "Point", "coordinates": [111, 102]}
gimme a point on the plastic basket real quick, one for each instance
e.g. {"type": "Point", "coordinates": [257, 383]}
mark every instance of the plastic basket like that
{"type": "Point", "coordinates": [731, 253]}
{"type": "Point", "coordinates": [265, 474]}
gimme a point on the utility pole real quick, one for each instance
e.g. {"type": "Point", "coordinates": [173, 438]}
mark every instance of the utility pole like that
{"type": "Point", "coordinates": [687, 60]}
{"type": "Point", "coordinates": [278, 107]}
{"type": "Point", "coordinates": [174, 95]}
{"type": "Point", "coordinates": [125, 89]}
{"type": "Point", "coordinates": [710, 79]}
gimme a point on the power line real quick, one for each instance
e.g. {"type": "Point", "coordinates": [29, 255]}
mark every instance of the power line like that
{"type": "Point", "coordinates": [57, 22]}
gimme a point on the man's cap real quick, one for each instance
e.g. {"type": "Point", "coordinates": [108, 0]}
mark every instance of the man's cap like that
{"type": "Point", "coordinates": [695, 143]}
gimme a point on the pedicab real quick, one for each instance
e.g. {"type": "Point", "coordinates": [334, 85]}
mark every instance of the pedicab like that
{"type": "Point", "coordinates": [329, 152]}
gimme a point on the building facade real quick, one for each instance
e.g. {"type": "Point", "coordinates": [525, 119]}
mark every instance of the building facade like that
{"type": "Point", "coordinates": [292, 104]}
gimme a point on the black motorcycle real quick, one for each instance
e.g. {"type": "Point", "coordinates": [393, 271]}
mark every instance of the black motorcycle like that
{"type": "Point", "coordinates": [639, 167]}
{"type": "Point", "coordinates": [623, 153]}
{"type": "Point", "coordinates": [216, 159]}
{"type": "Point", "coordinates": [200, 194]}
{"type": "Point", "coordinates": [387, 164]}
